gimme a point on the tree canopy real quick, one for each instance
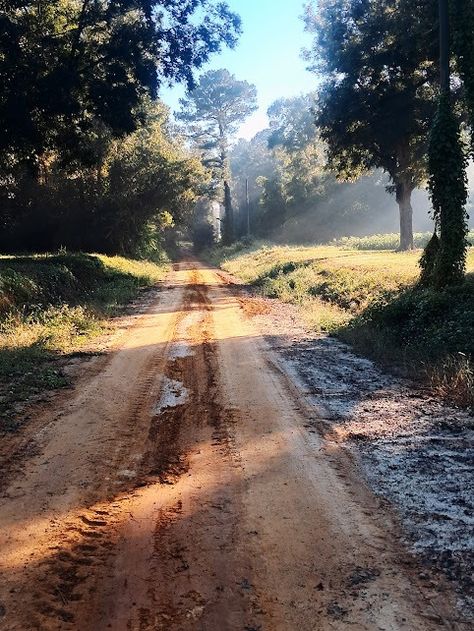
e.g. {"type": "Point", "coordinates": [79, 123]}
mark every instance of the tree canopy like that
{"type": "Point", "coordinates": [87, 158]}
{"type": "Point", "coordinates": [144, 183]}
{"type": "Point", "coordinates": [378, 97]}
{"type": "Point", "coordinates": [292, 193]}
{"type": "Point", "coordinates": [68, 67]}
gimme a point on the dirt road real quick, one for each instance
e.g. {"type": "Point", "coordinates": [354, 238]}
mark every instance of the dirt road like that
{"type": "Point", "coordinates": [179, 488]}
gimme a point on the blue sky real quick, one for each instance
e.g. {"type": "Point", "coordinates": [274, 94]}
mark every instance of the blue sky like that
{"type": "Point", "coordinates": [268, 55]}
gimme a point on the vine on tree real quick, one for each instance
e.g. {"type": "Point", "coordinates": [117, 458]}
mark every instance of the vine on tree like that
{"type": "Point", "coordinates": [462, 20]}
{"type": "Point", "coordinates": [444, 262]}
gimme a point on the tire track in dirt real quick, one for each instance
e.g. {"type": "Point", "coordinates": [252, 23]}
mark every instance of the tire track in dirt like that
{"type": "Point", "coordinates": [76, 504]}
{"type": "Point", "coordinates": [198, 499]}
{"type": "Point", "coordinates": [171, 569]}
{"type": "Point", "coordinates": [89, 538]}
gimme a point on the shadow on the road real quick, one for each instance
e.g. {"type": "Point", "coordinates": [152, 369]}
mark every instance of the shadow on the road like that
{"type": "Point", "coordinates": [328, 375]}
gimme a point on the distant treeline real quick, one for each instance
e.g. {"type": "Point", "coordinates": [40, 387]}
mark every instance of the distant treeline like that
{"type": "Point", "coordinates": [294, 195]}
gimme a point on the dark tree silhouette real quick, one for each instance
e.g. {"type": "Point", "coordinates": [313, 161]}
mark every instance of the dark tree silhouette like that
{"type": "Point", "coordinates": [68, 67]}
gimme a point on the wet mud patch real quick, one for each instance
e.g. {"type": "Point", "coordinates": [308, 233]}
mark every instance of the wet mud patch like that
{"type": "Point", "coordinates": [189, 399]}
{"type": "Point", "coordinates": [171, 420]}
{"type": "Point", "coordinates": [173, 395]}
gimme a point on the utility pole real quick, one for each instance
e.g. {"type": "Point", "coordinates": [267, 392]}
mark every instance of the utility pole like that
{"type": "Point", "coordinates": [444, 46]}
{"type": "Point", "coordinates": [247, 199]}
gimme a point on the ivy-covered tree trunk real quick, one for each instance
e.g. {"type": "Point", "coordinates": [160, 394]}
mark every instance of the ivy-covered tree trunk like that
{"type": "Point", "coordinates": [461, 12]}
{"type": "Point", "coordinates": [444, 262]}
{"type": "Point", "coordinates": [448, 191]}
{"type": "Point", "coordinates": [404, 190]}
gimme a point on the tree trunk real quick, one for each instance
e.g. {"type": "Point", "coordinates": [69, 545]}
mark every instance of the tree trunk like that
{"type": "Point", "coordinates": [228, 236]}
{"type": "Point", "coordinates": [403, 194]}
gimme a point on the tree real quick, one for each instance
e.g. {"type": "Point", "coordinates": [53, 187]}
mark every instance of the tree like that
{"type": "Point", "coordinates": [213, 111]}
{"type": "Point", "coordinates": [252, 163]}
{"type": "Point", "coordinates": [293, 195]}
{"type": "Point", "coordinates": [292, 122]}
{"type": "Point", "coordinates": [67, 67]}
{"type": "Point", "coordinates": [444, 260]}
{"type": "Point", "coordinates": [284, 164]}
{"type": "Point", "coordinates": [149, 183]}
{"type": "Point", "coordinates": [298, 148]}
{"type": "Point", "coordinates": [377, 99]}
{"type": "Point", "coordinates": [145, 183]}
{"type": "Point", "coordinates": [461, 15]}
{"type": "Point", "coordinates": [75, 75]}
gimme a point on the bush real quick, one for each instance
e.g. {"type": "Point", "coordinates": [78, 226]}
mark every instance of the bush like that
{"type": "Point", "coordinates": [372, 300]}
{"type": "Point", "coordinates": [427, 333]}
{"type": "Point", "coordinates": [49, 307]}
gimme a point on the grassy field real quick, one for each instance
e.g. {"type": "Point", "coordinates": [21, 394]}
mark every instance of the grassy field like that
{"type": "Point", "coordinates": [386, 241]}
{"type": "Point", "coordinates": [370, 299]}
{"type": "Point", "coordinates": [50, 307]}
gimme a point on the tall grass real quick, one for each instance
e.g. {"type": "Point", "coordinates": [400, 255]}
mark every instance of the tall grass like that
{"type": "Point", "coordinates": [51, 306]}
{"type": "Point", "coordinates": [454, 380]}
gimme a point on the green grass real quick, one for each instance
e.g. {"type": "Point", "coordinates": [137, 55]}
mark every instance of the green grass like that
{"type": "Point", "coordinates": [51, 306]}
{"type": "Point", "coordinates": [385, 241]}
{"type": "Point", "coordinates": [371, 299]}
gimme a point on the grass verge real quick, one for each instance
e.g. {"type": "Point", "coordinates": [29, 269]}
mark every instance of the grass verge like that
{"type": "Point", "coordinates": [50, 307]}
{"type": "Point", "coordinates": [371, 300]}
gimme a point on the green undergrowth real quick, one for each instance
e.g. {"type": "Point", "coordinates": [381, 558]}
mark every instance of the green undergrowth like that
{"type": "Point", "coordinates": [372, 300]}
{"type": "Point", "coordinates": [425, 332]}
{"type": "Point", "coordinates": [51, 306]}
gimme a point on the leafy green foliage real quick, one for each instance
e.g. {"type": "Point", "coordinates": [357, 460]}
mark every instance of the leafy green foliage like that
{"type": "Point", "coordinates": [284, 165]}
{"type": "Point", "coordinates": [69, 68]}
{"type": "Point", "coordinates": [145, 182]}
{"type": "Point", "coordinates": [292, 122]}
{"type": "Point", "coordinates": [215, 107]}
{"type": "Point", "coordinates": [373, 301]}
{"type": "Point", "coordinates": [462, 21]}
{"type": "Point", "coordinates": [425, 324]}
{"type": "Point", "coordinates": [377, 101]}
{"type": "Point", "coordinates": [293, 195]}
{"type": "Point", "coordinates": [444, 261]}
{"type": "Point", "coordinates": [252, 160]}
{"type": "Point", "coordinates": [87, 158]}
{"type": "Point", "coordinates": [298, 149]}
{"type": "Point", "coordinates": [428, 259]}
{"type": "Point", "coordinates": [447, 156]}
{"type": "Point", "coordinates": [203, 236]}
{"type": "Point", "coordinates": [50, 307]}
{"type": "Point", "coordinates": [381, 241]}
